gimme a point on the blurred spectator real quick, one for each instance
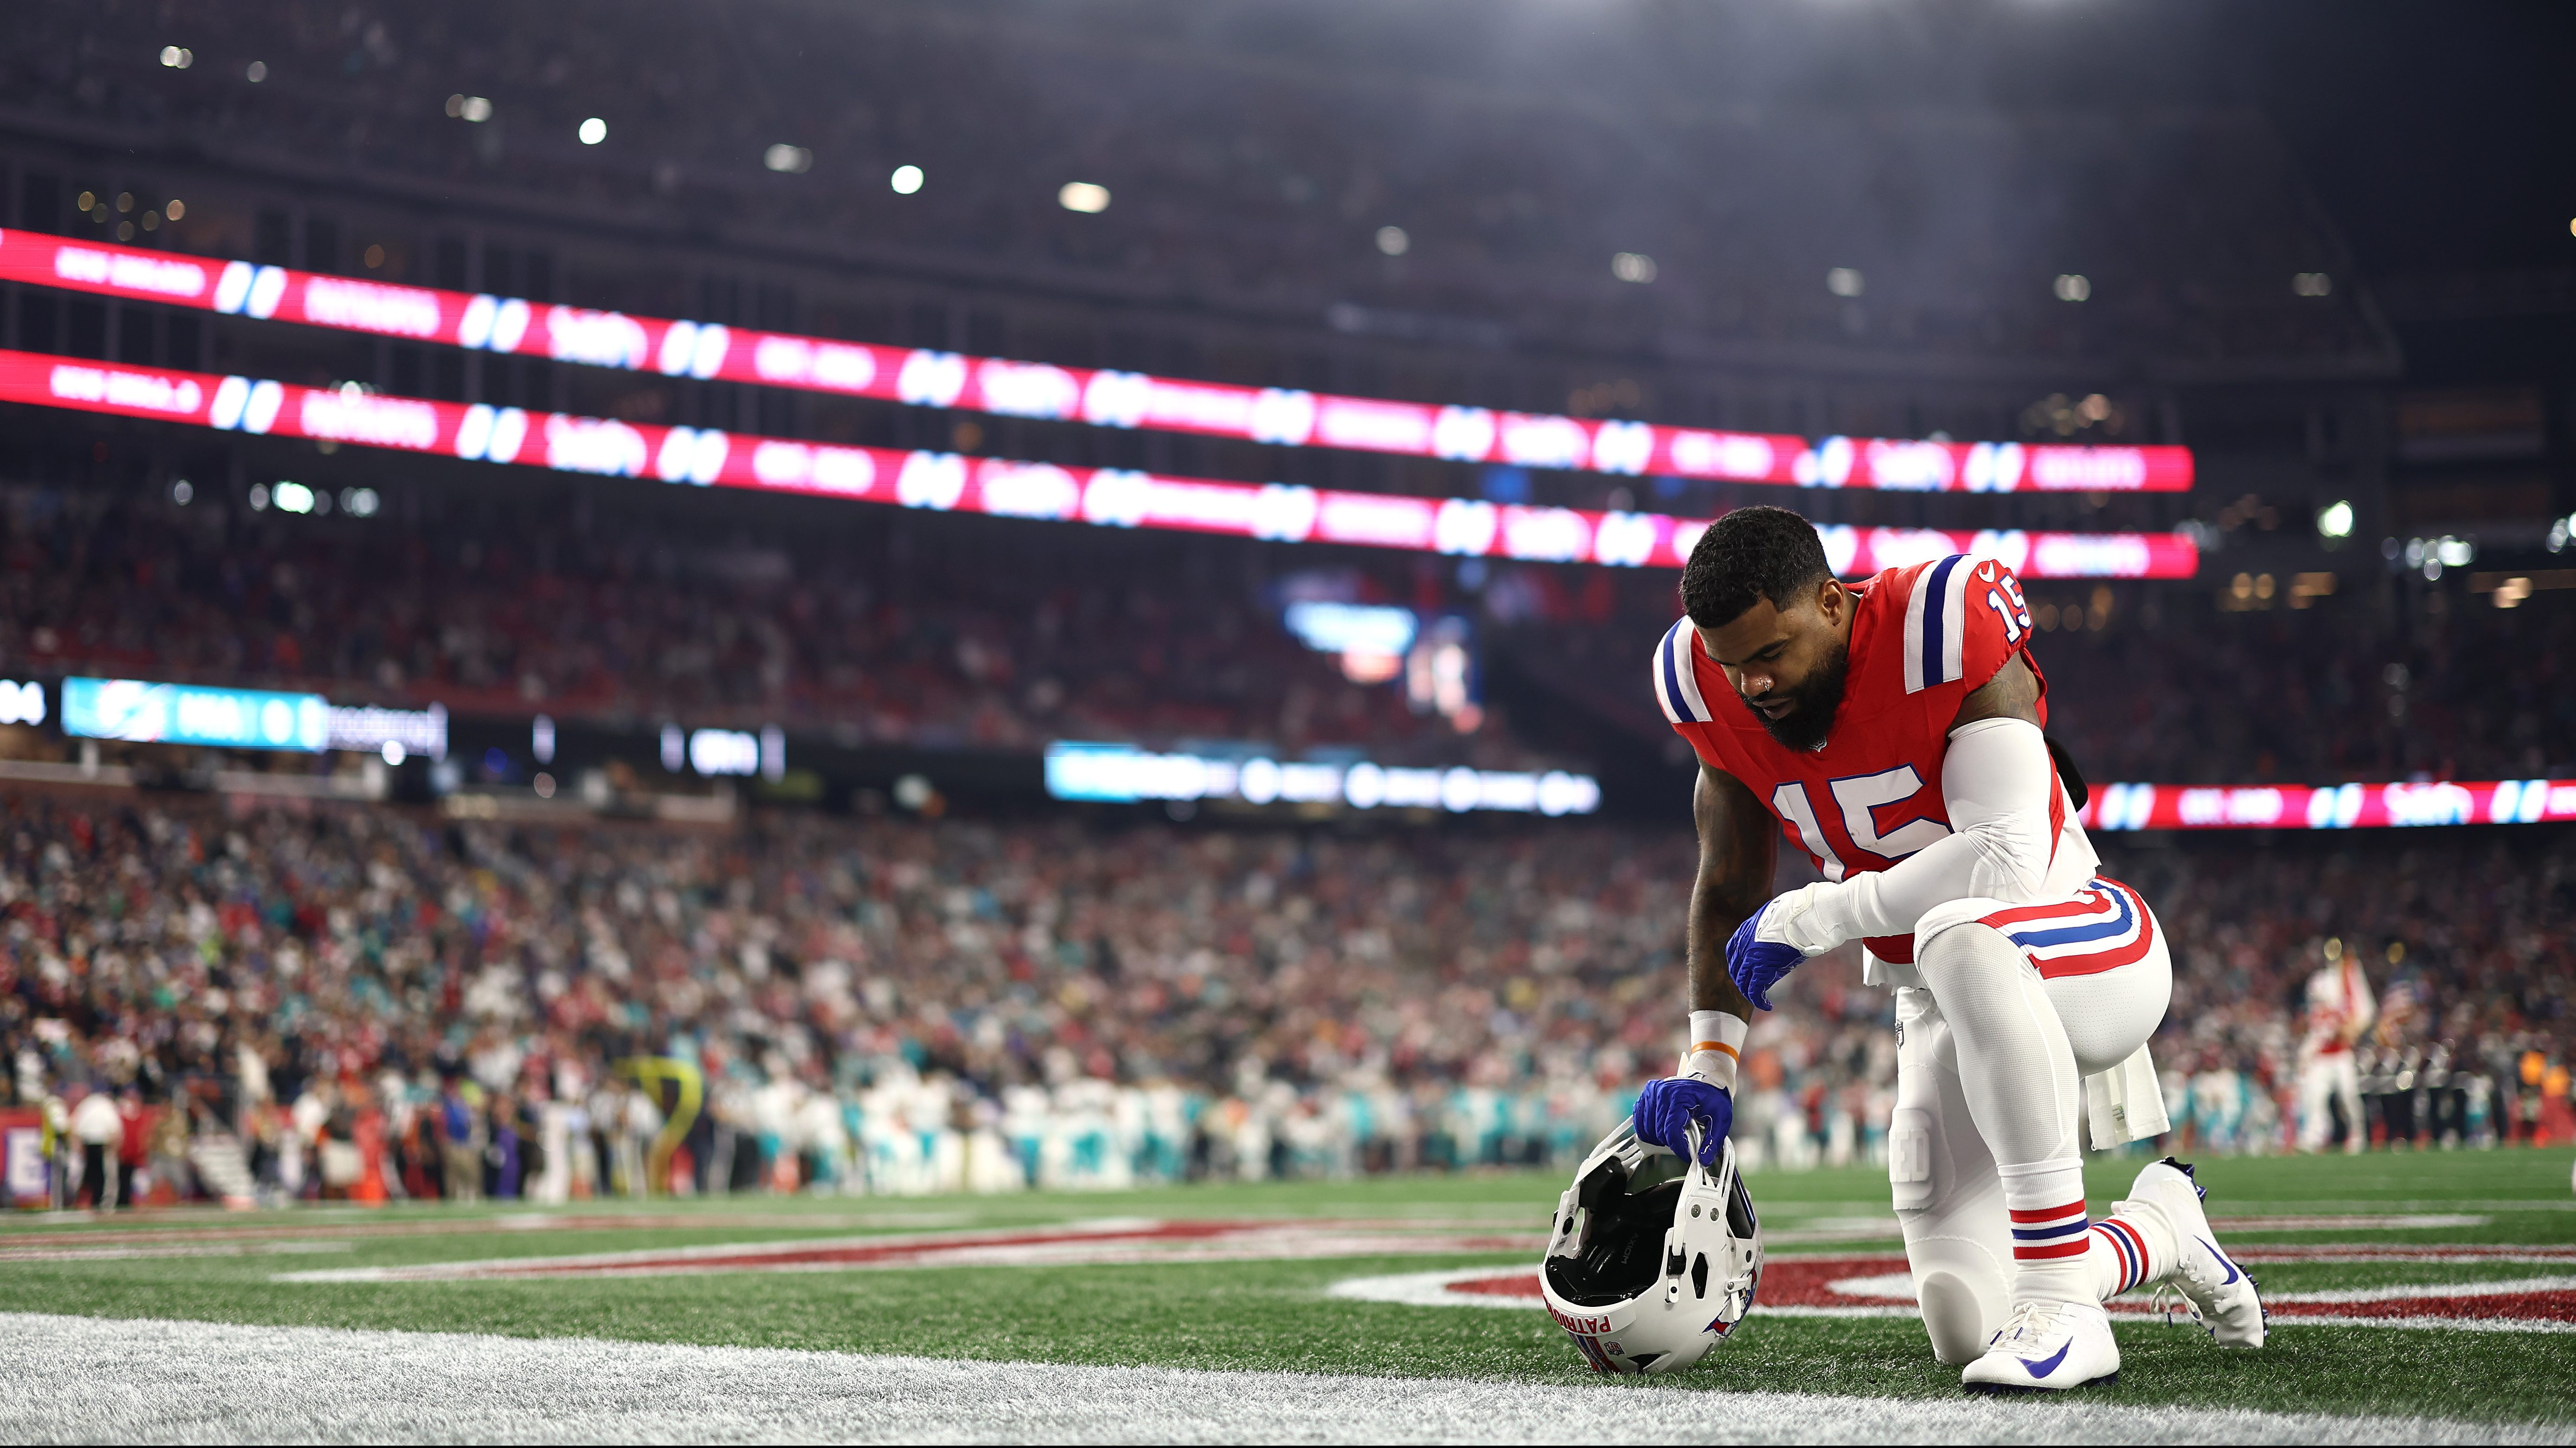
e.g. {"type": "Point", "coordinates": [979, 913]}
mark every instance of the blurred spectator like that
{"type": "Point", "coordinates": [100, 1129]}
{"type": "Point", "coordinates": [995, 636]}
{"type": "Point", "coordinates": [900, 1006]}
{"type": "Point", "coordinates": [2339, 1007]}
{"type": "Point", "coordinates": [852, 631]}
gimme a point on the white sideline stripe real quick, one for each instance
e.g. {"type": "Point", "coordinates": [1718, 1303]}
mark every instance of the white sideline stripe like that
{"type": "Point", "coordinates": [105, 1380]}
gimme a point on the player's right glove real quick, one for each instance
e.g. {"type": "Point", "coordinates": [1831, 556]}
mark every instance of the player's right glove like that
{"type": "Point", "coordinates": [1789, 929]}
{"type": "Point", "coordinates": [1756, 964]}
{"type": "Point", "coordinates": [1668, 1106]}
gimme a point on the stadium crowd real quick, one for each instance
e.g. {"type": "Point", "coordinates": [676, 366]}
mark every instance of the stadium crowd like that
{"type": "Point", "coordinates": [219, 999]}
{"type": "Point", "coordinates": [2460, 690]}
{"type": "Point", "coordinates": [993, 636]}
{"type": "Point", "coordinates": [929, 637]}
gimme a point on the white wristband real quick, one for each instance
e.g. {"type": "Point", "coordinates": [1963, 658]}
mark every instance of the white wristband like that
{"type": "Point", "coordinates": [1716, 1044]}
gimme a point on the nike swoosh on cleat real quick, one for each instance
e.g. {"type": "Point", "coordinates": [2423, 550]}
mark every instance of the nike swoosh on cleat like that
{"type": "Point", "coordinates": [2222, 1260]}
{"type": "Point", "coordinates": [2048, 1364]}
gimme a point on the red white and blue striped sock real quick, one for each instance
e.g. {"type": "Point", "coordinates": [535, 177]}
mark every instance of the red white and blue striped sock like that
{"type": "Point", "coordinates": [2130, 1248]}
{"type": "Point", "coordinates": [2120, 1257]}
{"type": "Point", "coordinates": [2051, 1240]}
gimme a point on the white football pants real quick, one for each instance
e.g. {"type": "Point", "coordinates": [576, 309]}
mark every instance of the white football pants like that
{"type": "Point", "coordinates": [1990, 1063]}
{"type": "Point", "coordinates": [2326, 1077]}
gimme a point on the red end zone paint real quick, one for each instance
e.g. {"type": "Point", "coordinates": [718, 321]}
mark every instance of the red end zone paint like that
{"type": "Point", "coordinates": [1856, 1286]}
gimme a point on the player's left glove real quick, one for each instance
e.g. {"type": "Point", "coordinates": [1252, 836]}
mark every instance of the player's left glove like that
{"type": "Point", "coordinates": [1778, 937]}
{"type": "Point", "coordinates": [1668, 1106]}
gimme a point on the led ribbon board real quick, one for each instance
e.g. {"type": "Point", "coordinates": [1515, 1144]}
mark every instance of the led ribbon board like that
{"type": "Point", "coordinates": [142, 712]}
{"type": "Point", "coordinates": [948, 482]}
{"type": "Point", "coordinates": [998, 386]}
{"type": "Point", "coordinates": [2333, 807]}
{"type": "Point", "coordinates": [1124, 774]}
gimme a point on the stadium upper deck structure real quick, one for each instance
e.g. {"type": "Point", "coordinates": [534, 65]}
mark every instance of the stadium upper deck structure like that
{"type": "Point", "coordinates": [1815, 269]}
{"type": "Point", "coordinates": [1489, 260]}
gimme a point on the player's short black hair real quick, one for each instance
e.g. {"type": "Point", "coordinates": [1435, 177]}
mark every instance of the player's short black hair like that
{"type": "Point", "coordinates": [1750, 553]}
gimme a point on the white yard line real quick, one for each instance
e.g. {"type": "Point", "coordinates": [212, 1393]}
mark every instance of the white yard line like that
{"type": "Point", "coordinates": [2399, 1292]}
{"type": "Point", "coordinates": [173, 1249]}
{"type": "Point", "coordinates": [102, 1380]}
{"type": "Point", "coordinates": [1109, 1241]}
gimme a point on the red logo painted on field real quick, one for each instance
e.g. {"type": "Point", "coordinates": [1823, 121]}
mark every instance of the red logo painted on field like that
{"type": "Point", "coordinates": [1877, 1286]}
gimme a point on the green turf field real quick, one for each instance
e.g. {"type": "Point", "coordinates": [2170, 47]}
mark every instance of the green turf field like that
{"type": "Point", "coordinates": [1275, 1314]}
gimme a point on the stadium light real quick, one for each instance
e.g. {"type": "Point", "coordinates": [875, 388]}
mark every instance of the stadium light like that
{"type": "Point", "coordinates": [1083, 196]}
{"type": "Point", "coordinates": [1392, 240]}
{"type": "Point", "coordinates": [469, 108]}
{"type": "Point", "coordinates": [255, 72]}
{"type": "Point", "coordinates": [1633, 266]}
{"type": "Point", "coordinates": [2311, 284]}
{"type": "Point", "coordinates": [593, 131]}
{"type": "Point", "coordinates": [2073, 287]}
{"type": "Point", "coordinates": [793, 160]}
{"type": "Point", "coordinates": [178, 57]}
{"type": "Point", "coordinates": [1844, 281]}
{"type": "Point", "coordinates": [906, 180]}
{"type": "Point", "coordinates": [2335, 520]}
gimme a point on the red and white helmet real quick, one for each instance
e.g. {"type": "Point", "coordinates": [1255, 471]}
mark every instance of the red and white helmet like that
{"type": "Point", "coordinates": [1653, 1259]}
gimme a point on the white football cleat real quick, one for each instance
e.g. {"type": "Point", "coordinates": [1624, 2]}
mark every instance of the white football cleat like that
{"type": "Point", "coordinates": [2223, 1298]}
{"type": "Point", "coordinates": [2047, 1347]}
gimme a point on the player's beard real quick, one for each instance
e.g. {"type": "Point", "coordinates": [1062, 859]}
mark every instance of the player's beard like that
{"type": "Point", "coordinates": [1817, 700]}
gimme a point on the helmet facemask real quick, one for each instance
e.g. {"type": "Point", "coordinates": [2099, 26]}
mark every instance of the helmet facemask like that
{"type": "Point", "coordinates": [1653, 1259]}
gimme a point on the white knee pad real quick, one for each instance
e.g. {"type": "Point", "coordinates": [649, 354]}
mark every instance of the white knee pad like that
{"type": "Point", "coordinates": [1958, 1279]}
{"type": "Point", "coordinates": [1949, 1202]}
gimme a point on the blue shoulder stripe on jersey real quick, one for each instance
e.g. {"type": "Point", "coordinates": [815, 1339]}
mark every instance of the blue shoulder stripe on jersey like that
{"type": "Point", "coordinates": [2078, 934]}
{"type": "Point", "coordinates": [1936, 605]}
{"type": "Point", "coordinates": [1672, 664]}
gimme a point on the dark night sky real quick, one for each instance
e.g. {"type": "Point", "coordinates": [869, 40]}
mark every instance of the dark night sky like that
{"type": "Point", "coordinates": [2440, 137]}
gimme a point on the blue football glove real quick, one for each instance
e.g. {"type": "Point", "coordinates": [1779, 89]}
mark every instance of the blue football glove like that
{"type": "Point", "coordinates": [1755, 963]}
{"type": "Point", "coordinates": [1668, 1106]}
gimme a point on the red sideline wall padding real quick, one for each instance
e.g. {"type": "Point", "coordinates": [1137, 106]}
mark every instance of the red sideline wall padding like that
{"type": "Point", "coordinates": [948, 482]}
{"type": "Point", "coordinates": [1108, 399]}
{"type": "Point", "coordinates": [2350, 806]}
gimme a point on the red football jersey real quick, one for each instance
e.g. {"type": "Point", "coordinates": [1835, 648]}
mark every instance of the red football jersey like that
{"type": "Point", "coordinates": [1925, 637]}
